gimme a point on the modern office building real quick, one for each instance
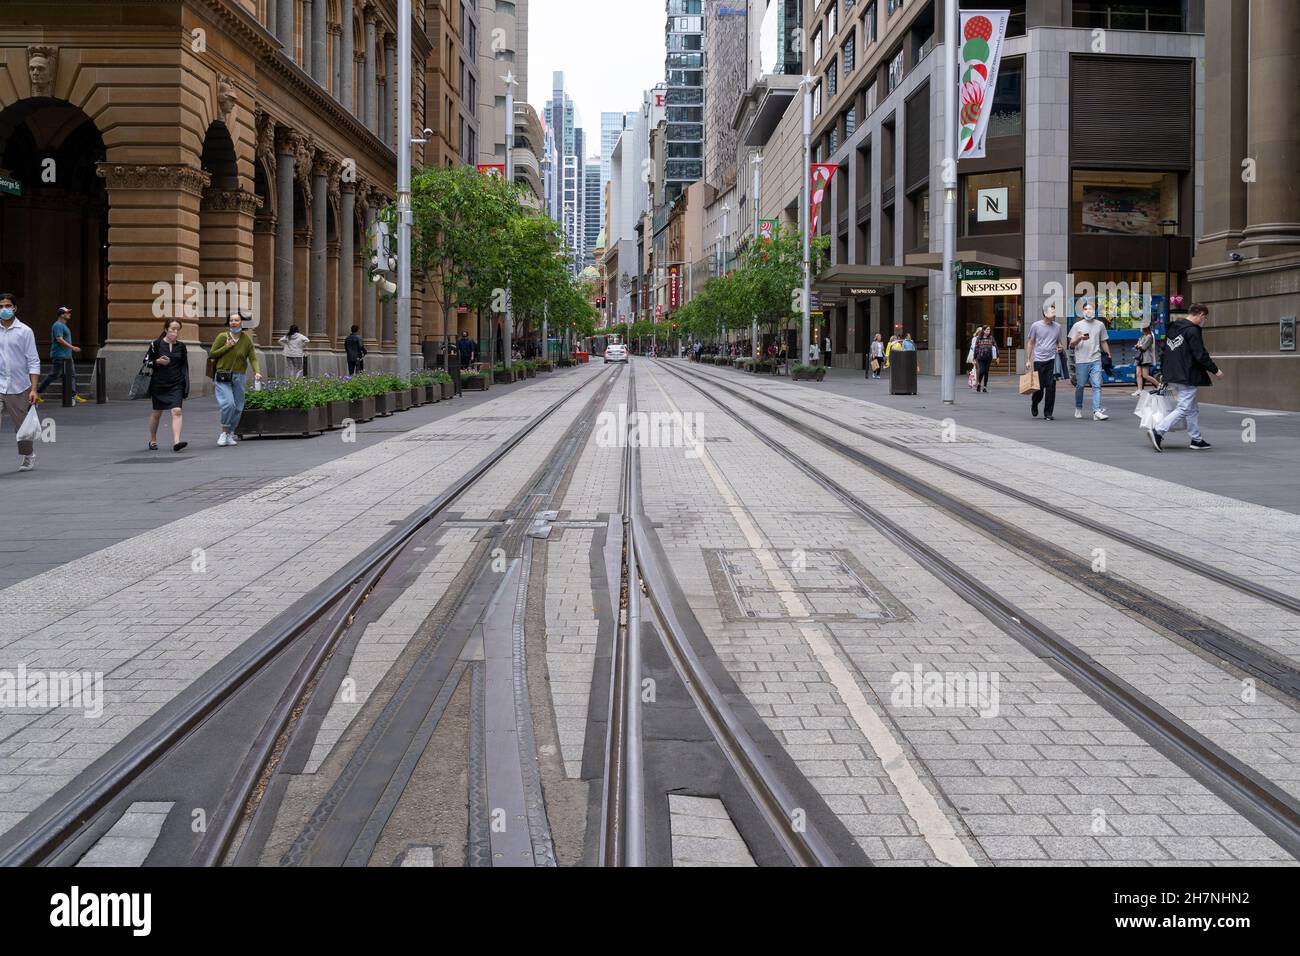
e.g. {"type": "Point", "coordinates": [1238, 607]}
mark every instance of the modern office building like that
{"type": "Point", "coordinates": [1092, 181]}
{"type": "Point", "coordinates": [593, 220]}
{"type": "Point", "coordinates": [684, 73]}
{"type": "Point", "coordinates": [1247, 262]}
{"type": "Point", "coordinates": [571, 184]}
{"type": "Point", "coordinates": [257, 159]}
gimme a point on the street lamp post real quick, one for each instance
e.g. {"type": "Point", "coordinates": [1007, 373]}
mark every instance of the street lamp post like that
{"type": "Point", "coordinates": [805, 328]}
{"type": "Point", "coordinates": [511, 83]}
{"type": "Point", "coordinates": [948, 341]}
{"type": "Point", "coordinates": [1169, 228]}
{"type": "Point", "coordinates": [758, 192]}
{"type": "Point", "coordinates": [404, 218]}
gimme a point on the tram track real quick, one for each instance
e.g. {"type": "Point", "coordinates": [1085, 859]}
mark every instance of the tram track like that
{"type": "Point", "coordinates": [61, 830]}
{"type": "Point", "coordinates": [1224, 643]}
{"type": "Point", "coordinates": [1270, 808]}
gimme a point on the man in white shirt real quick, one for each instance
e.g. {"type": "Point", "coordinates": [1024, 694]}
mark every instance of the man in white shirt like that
{"type": "Point", "coordinates": [1089, 339]}
{"type": "Point", "coordinates": [20, 371]}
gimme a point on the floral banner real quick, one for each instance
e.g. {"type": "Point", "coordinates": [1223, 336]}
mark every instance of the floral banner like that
{"type": "Point", "coordinates": [822, 173]}
{"type": "Point", "coordinates": [982, 33]}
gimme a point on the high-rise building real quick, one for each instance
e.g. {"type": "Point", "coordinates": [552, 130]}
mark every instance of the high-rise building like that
{"type": "Point", "coordinates": [570, 185]}
{"type": "Point", "coordinates": [593, 196]}
{"type": "Point", "coordinates": [684, 71]}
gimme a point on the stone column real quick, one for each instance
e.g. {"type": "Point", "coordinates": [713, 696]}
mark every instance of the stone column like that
{"type": "Point", "coordinates": [1226, 70]}
{"type": "Point", "coordinates": [286, 152]}
{"type": "Point", "coordinates": [1273, 200]}
{"type": "Point", "coordinates": [319, 64]}
{"type": "Point", "coordinates": [368, 289]}
{"type": "Point", "coordinates": [154, 238]}
{"type": "Point", "coordinates": [336, 58]}
{"type": "Point", "coordinates": [347, 255]}
{"type": "Point", "coordinates": [368, 71]}
{"type": "Point", "coordinates": [264, 273]}
{"type": "Point", "coordinates": [272, 7]}
{"type": "Point", "coordinates": [390, 91]}
{"type": "Point", "coordinates": [390, 325]}
{"type": "Point", "coordinates": [320, 174]}
{"type": "Point", "coordinates": [347, 59]}
{"type": "Point", "coordinates": [308, 19]}
{"type": "Point", "coordinates": [334, 333]}
{"type": "Point", "coordinates": [284, 25]}
{"type": "Point", "coordinates": [226, 258]}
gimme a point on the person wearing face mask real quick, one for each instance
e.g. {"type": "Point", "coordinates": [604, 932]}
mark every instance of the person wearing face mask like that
{"type": "Point", "coordinates": [169, 385]}
{"type": "Point", "coordinates": [20, 371]}
{"type": "Point", "coordinates": [232, 353]}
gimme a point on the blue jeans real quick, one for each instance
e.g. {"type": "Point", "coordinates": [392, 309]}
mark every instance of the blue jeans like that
{"type": "Point", "coordinates": [1087, 373]}
{"type": "Point", "coordinates": [230, 398]}
{"type": "Point", "coordinates": [1188, 409]}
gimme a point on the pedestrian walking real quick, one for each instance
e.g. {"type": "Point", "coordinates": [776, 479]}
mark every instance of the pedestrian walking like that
{"type": "Point", "coordinates": [232, 352]}
{"type": "Point", "coordinates": [1146, 358]}
{"type": "Point", "coordinates": [169, 385]}
{"type": "Point", "coordinates": [356, 351]}
{"type": "Point", "coordinates": [20, 368]}
{"type": "Point", "coordinates": [908, 344]}
{"type": "Point", "coordinates": [1188, 366]}
{"type": "Point", "coordinates": [877, 356]}
{"type": "Point", "coordinates": [293, 343]}
{"type": "Point", "coordinates": [61, 352]}
{"type": "Point", "coordinates": [814, 352]}
{"type": "Point", "coordinates": [1042, 345]}
{"type": "Point", "coordinates": [467, 347]}
{"type": "Point", "coordinates": [986, 353]}
{"type": "Point", "coordinates": [895, 343]}
{"type": "Point", "coordinates": [1090, 342]}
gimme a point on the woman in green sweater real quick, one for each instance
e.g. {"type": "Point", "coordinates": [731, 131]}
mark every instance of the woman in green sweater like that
{"type": "Point", "coordinates": [232, 353]}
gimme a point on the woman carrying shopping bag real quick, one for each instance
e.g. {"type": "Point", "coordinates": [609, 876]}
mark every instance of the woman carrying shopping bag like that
{"type": "Point", "coordinates": [232, 353]}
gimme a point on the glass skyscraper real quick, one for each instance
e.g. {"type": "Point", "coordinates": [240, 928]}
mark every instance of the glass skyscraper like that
{"type": "Point", "coordinates": [684, 69]}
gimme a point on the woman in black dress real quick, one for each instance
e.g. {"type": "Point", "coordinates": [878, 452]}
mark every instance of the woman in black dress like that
{"type": "Point", "coordinates": [170, 382]}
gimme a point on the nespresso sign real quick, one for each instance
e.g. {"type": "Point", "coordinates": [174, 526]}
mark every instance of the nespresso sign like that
{"type": "Point", "coordinates": [989, 287]}
{"type": "Point", "coordinates": [868, 290]}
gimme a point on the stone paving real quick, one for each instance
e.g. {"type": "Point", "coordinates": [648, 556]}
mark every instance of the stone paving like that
{"type": "Point", "coordinates": [1045, 774]}
{"type": "Point", "coordinates": [703, 834]}
{"type": "Point", "coordinates": [153, 613]}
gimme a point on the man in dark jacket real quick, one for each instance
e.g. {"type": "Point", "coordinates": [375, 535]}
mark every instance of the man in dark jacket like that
{"type": "Point", "coordinates": [467, 348]}
{"type": "Point", "coordinates": [1187, 365]}
{"type": "Point", "coordinates": [355, 349]}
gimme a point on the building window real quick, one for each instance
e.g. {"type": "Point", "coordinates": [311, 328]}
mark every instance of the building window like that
{"type": "Point", "coordinates": [834, 139]}
{"type": "Point", "coordinates": [833, 77]}
{"type": "Point", "coordinates": [851, 53]}
{"type": "Point", "coordinates": [920, 202]}
{"type": "Point", "coordinates": [895, 6]}
{"type": "Point", "coordinates": [817, 47]}
{"type": "Point", "coordinates": [871, 98]}
{"type": "Point", "coordinates": [1164, 16]}
{"type": "Point", "coordinates": [833, 19]}
{"type": "Point", "coordinates": [850, 122]}
{"type": "Point", "coordinates": [817, 101]}
{"type": "Point", "coordinates": [993, 203]}
{"type": "Point", "coordinates": [505, 6]}
{"type": "Point", "coordinates": [895, 71]}
{"type": "Point", "coordinates": [1122, 203]}
{"type": "Point", "coordinates": [1005, 118]}
{"type": "Point", "coordinates": [869, 35]}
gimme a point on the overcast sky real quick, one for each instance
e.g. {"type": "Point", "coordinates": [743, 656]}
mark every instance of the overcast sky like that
{"type": "Point", "coordinates": [611, 52]}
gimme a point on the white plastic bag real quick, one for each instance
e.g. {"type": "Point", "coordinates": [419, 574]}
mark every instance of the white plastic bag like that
{"type": "Point", "coordinates": [30, 429]}
{"type": "Point", "coordinates": [1153, 407]}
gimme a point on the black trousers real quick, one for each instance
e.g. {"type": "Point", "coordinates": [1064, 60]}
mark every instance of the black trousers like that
{"type": "Point", "coordinates": [1046, 393]}
{"type": "Point", "coordinates": [59, 367]}
{"type": "Point", "coordinates": [354, 365]}
{"type": "Point", "coordinates": [982, 372]}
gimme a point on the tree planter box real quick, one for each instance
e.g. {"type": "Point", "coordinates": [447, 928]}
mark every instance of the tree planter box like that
{"type": "Point", "coordinates": [474, 384]}
{"type": "Point", "coordinates": [546, 367]}
{"type": "Point", "coordinates": [448, 390]}
{"type": "Point", "coordinates": [530, 373]}
{"type": "Point", "coordinates": [432, 393]}
{"type": "Point", "coordinates": [361, 409]}
{"type": "Point", "coordinates": [384, 405]}
{"type": "Point", "coordinates": [813, 376]}
{"type": "Point", "coordinates": [284, 421]}
{"type": "Point", "coordinates": [417, 395]}
{"type": "Point", "coordinates": [337, 411]}
{"type": "Point", "coordinates": [504, 378]}
{"type": "Point", "coordinates": [399, 401]}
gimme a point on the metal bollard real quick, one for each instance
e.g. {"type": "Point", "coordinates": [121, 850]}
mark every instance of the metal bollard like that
{"type": "Point", "coordinates": [101, 389]}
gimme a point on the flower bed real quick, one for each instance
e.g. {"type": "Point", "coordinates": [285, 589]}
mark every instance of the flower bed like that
{"type": "Point", "coordinates": [807, 373]}
{"type": "Point", "coordinates": [473, 381]}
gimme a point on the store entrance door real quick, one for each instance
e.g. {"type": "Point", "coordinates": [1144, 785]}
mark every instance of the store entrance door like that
{"type": "Point", "coordinates": [1004, 315]}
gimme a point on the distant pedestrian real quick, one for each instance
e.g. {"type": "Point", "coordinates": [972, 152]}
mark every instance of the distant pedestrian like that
{"type": "Point", "coordinates": [1090, 342]}
{"type": "Point", "coordinates": [233, 352]}
{"type": "Point", "coordinates": [293, 344]}
{"type": "Point", "coordinates": [895, 343]}
{"type": "Point", "coordinates": [1146, 358]}
{"type": "Point", "coordinates": [61, 352]}
{"type": "Point", "coordinates": [908, 344]}
{"type": "Point", "coordinates": [20, 367]}
{"type": "Point", "coordinates": [467, 347]}
{"type": "Point", "coordinates": [356, 351]}
{"type": "Point", "coordinates": [1042, 345]}
{"type": "Point", "coordinates": [169, 385]}
{"type": "Point", "coordinates": [877, 356]}
{"type": "Point", "coordinates": [814, 353]}
{"type": "Point", "coordinates": [1187, 365]}
{"type": "Point", "coordinates": [986, 353]}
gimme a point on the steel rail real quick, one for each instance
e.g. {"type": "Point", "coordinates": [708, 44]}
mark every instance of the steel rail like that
{"type": "Point", "coordinates": [1274, 811]}
{"type": "Point", "coordinates": [66, 819]}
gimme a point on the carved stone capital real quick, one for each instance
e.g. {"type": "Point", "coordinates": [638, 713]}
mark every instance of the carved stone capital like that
{"type": "Point", "coordinates": [188, 179]}
{"type": "Point", "coordinates": [265, 136]}
{"type": "Point", "coordinates": [323, 164]}
{"type": "Point", "coordinates": [370, 13]}
{"type": "Point", "coordinates": [305, 157]}
{"type": "Point", "coordinates": [231, 200]}
{"type": "Point", "coordinates": [287, 141]}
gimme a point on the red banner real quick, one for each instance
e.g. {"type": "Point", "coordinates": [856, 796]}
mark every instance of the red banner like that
{"type": "Point", "coordinates": [674, 287]}
{"type": "Point", "coordinates": [822, 174]}
{"type": "Point", "coordinates": [493, 169]}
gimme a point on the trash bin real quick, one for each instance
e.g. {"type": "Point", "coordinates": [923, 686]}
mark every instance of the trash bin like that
{"type": "Point", "coordinates": [902, 372]}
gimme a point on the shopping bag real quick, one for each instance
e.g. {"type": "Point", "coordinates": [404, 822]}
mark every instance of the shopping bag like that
{"type": "Point", "coordinates": [30, 429]}
{"type": "Point", "coordinates": [972, 379]}
{"type": "Point", "coordinates": [1154, 407]}
{"type": "Point", "coordinates": [140, 384]}
{"type": "Point", "coordinates": [1029, 382]}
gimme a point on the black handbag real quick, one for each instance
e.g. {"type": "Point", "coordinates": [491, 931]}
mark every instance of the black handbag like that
{"type": "Point", "coordinates": [140, 384]}
{"type": "Point", "coordinates": [224, 378]}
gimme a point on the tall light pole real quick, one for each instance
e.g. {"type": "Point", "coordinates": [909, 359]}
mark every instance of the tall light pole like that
{"type": "Point", "coordinates": [805, 328]}
{"type": "Point", "coordinates": [403, 188]}
{"type": "Point", "coordinates": [758, 211]}
{"type": "Point", "coordinates": [511, 83]}
{"type": "Point", "coordinates": [948, 342]}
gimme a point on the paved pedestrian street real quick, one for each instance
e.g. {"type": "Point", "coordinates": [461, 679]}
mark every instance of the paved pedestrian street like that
{"type": "Point", "coordinates": [823, 567]}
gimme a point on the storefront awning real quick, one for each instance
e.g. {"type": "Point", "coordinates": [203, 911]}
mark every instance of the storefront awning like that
{"type": "Point", "coordinates": [970, 257]}
{"type": "Point", "coordinates": [844, 283]}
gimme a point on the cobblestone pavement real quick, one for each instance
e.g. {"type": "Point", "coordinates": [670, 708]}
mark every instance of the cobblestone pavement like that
{"type": "Point", "coordinates": [153, 613]}
{"type": "Point", "coordinates": [1043, 774]}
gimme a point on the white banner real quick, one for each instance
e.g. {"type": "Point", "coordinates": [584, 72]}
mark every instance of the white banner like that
{"type": "Point", "coordinates": [982, 33]}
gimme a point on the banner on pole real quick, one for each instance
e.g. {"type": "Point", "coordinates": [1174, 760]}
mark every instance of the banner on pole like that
{"type": "Point", "coordinates": [982, 33]}
{"type": "Point", "coordinates": [822, 173]}
{"type": "Point", "coordinates": [493, 169]}
{"type": "Point", "coordinates": [766, 229]}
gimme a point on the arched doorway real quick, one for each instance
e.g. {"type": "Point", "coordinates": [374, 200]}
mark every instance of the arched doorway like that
{"type": "Point", "coordinates": [54, 237]}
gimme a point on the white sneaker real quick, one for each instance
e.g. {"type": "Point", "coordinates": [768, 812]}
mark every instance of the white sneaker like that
{"type": "Point", "coordinates": [222, 441]}
{"type": "Point", "coordinates": [231, 439]}
{"type": "Point", "coordinates": [1136, 394]}
{"type": "Point", "coordinates": [1078, 413]}
{"type": "Point", "coordinates": [28, 462]}
{"type": "Point", "coordinates": [1100, 417]}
